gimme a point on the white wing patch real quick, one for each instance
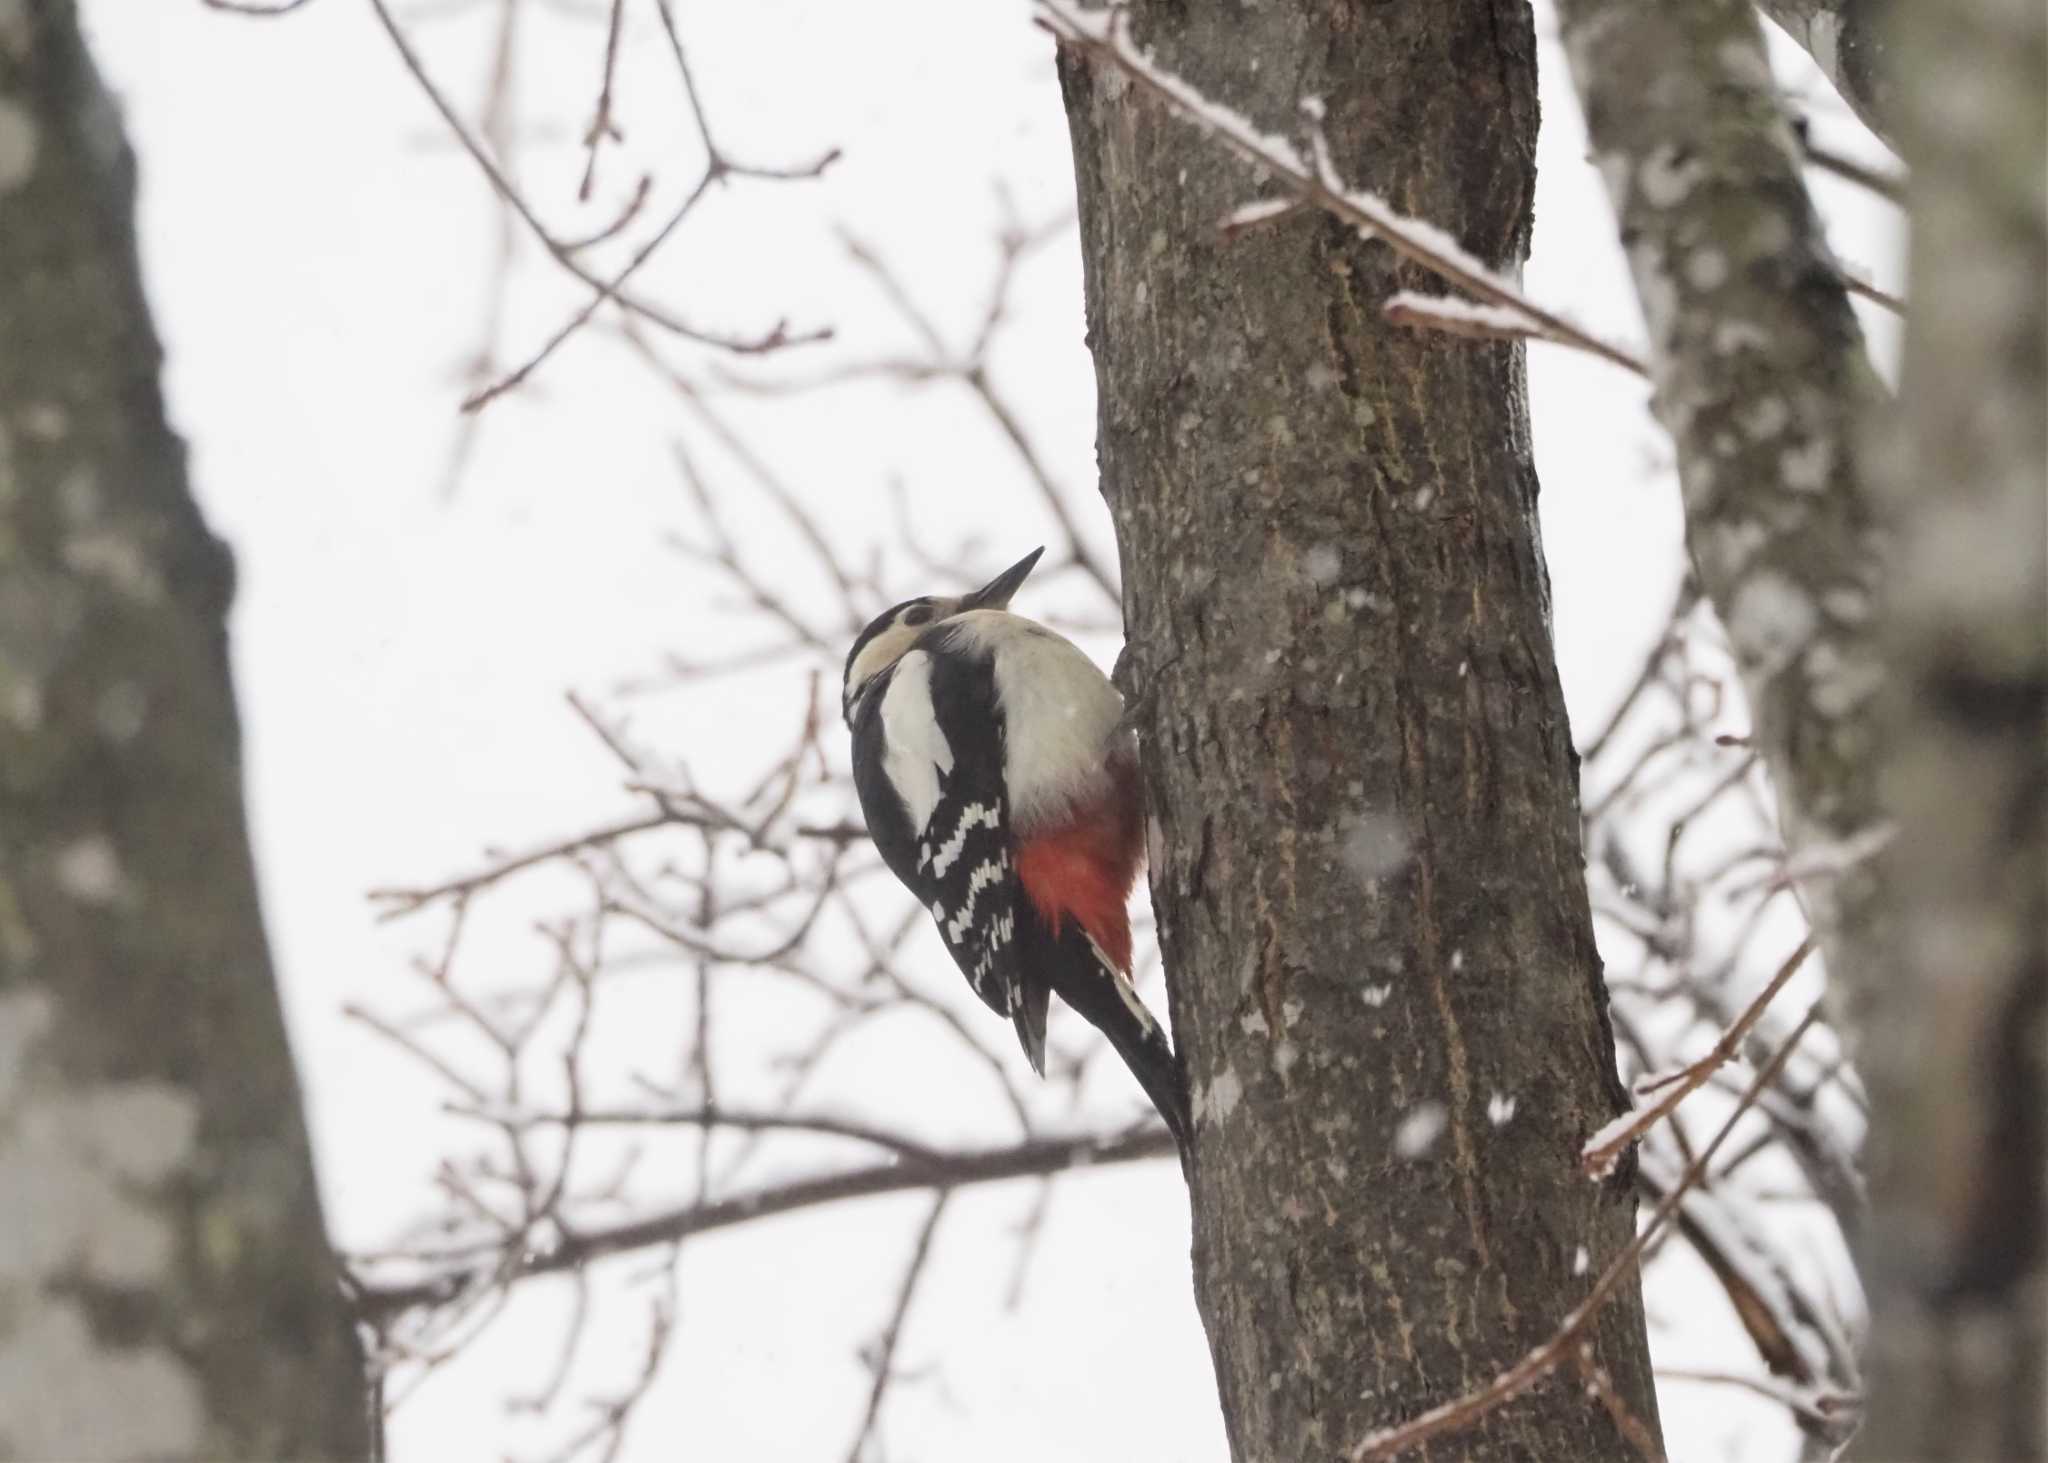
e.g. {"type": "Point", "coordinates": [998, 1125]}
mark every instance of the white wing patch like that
{"type": "Point", "coordinates": [917, 749]}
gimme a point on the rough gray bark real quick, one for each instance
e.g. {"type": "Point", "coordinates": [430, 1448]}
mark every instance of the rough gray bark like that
{"type": "Point", "coordinates": [1847, 40]}
{"type": "Point", "coordinates": [1762, 380]}
{"type": "Point", "coordinates": [1366, 862]}
{"type": "Point", "coordinates": [1957, 1060]}
{"type": "Point", "coordinates": [165, 1285]}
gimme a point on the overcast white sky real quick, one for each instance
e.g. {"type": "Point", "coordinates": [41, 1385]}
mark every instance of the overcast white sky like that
{"type": "Point", "coordinates": [317, 254]}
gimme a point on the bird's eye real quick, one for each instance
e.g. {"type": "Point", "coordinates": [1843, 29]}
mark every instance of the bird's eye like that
{"type": "Point", "coordinates": [918, 615]}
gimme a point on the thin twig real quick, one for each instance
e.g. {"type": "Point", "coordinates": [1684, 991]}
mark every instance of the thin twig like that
{"type": "Point", "coordinates": [1856, 284]}
{"type": "Point", "coordinates": [884, 1360]}
{"type": "Point", "coordinates": [1889, 186]}
{"type": "Point", "coordinates": [953, 1170]}
{"type": "Point", "coordinates": [1824, 1409]}
{"type": "Point", "coordinates": [601, 124]}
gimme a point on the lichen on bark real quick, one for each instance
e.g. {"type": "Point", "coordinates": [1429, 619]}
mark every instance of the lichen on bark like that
{"type": "Point", "coordinates": [172, 1255]}
{"type": "Point", "coordinates": [1763, 383]}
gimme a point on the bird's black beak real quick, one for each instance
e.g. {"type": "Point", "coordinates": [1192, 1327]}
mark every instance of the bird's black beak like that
{"type": "Point", "coordinates": [995, 594]}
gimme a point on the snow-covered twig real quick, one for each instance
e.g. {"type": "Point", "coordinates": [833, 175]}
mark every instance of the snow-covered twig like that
{"type": "Point", "coordinates": [1454, 316]}
{"type": "Point", "coordinates": [1247, 216]}
{"type": "Point", "coordinates": [1605, 1147]}
{"type": "Point", "coordinates": [1797, 1333]}
{"type": "Point", "coordinates": [1104, 35]}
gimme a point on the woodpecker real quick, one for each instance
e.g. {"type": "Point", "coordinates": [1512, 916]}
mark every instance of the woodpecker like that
{"type": "Point", "coordinates": [1001, 788]}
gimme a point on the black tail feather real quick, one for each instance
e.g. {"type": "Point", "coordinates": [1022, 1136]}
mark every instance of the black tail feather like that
{"type": "Point", "coordinates": [1028, 1000]}
{"type": "Point", "coordinates": [1087, 981]}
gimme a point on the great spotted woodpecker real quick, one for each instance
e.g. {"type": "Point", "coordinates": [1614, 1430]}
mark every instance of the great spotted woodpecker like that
{"type": "Point", "coordinates": [1001, 787]}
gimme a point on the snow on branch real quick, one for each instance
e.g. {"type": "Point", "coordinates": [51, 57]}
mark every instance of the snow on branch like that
{"type": "Point", "coordinates": [1796, 1339]}
{"type": "Point", "coordinates": [1604, 1149]}
{"type": "Point", "coordinates": [1502, 309]}
{"type": "Point", "coordinates": [1455, 316]}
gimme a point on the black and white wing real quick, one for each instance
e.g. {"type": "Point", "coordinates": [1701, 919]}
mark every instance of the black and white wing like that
{"type": "Point", "coordinates": [928, 766]}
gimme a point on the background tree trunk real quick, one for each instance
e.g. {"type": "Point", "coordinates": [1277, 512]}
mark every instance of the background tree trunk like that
{"type": "Point", "coordinates": [1366, 857]}
{"type": "Point", "coordinates": [1956, 1056]}
{"type": "Point", "coordinates": [1763, 383]}
{"type": "Point", "coordinates": [165, 1285]}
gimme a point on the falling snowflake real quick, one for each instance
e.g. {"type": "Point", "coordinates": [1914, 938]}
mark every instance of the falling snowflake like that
{"type": "Point", "coordinates": [1419, 1129]}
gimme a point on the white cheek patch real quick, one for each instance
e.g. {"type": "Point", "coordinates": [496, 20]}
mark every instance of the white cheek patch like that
{"type": "Point", "coordinates": [917, 750]}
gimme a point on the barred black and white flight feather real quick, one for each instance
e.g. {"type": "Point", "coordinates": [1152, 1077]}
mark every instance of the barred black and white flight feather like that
{"type": "Point", "coordinates": [922, 753]}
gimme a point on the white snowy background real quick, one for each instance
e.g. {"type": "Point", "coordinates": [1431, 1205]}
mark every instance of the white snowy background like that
{"type": "Point", "coordinates": [318, 255]}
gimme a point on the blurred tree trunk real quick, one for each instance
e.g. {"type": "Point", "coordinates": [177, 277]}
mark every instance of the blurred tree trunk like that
{"type": "Point", "coordinates": [1763, 382]}
{"type": "Point", "coordinates": [1956, 1055]}
{"type": "Point", "coordinates": [1367, 867]}
{"type": "Point", "coordinates": [165, 1284]}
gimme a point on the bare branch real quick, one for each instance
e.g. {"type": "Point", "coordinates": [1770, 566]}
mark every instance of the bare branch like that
{"type": "Point", "coordinates": [1889, 187]}
{"type": "Point", "coordinates": [711, 1118]}
{"type": "Point", "coordinates": [883, 1362]}
{"type": "Point", "coordinates": [953, 1170]}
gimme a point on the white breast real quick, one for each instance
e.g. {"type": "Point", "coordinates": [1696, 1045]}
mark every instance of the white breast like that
{"type": "Point", "coordinates": [1060, 712]}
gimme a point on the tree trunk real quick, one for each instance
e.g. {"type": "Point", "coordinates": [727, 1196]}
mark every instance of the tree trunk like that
{"type": "Point", "coordinates": [1763, 383]}
{"type": "Point", "coordinates": [1366, 860]}
{"type": "Point", "coordinates": [1957, 1059]}
{"type": "Point", "coordinates": [165, 1285]}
